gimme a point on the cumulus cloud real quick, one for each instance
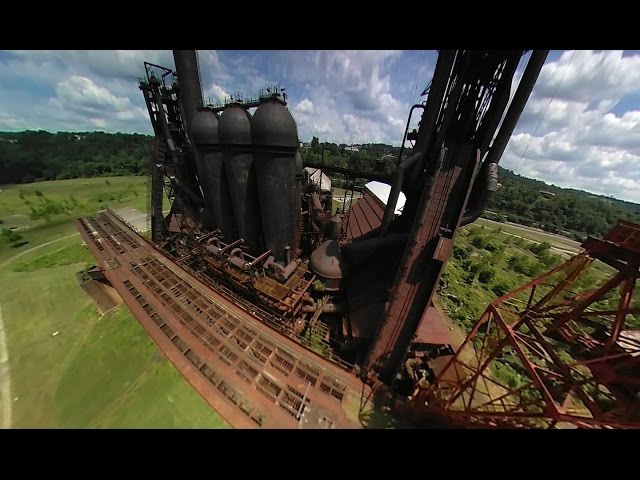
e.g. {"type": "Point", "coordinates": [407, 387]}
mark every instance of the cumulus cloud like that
{"type": "Point", "coordinates": [82, 92]}
{"type": "Point", "coordinates": [216, 93]}
{"type": "Point", "coordinates": [587, 76]}
{"type": "Point", "coordinates": [581, 127]}
{"type": "Point", "coordinates": [586, 137]}
{"type": "Point", "coordinates": [305, 106]}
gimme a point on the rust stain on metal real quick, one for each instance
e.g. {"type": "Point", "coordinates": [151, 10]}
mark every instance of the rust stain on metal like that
{"type": "Point", "coordinates": [253, 377]}
{"type": "Point", "coordinates": [551, 331]}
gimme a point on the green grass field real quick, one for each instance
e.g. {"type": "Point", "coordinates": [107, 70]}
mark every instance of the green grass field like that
{"type": "Point", "coordinates": [104, 371]}
{"type": "Point", "coordinates": [97, 371]}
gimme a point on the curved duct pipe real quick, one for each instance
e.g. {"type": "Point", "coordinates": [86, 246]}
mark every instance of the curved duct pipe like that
{"type": "Point", "coordinates": [283, 272]}
{"type": "Point", "coordinates": [488, 178]}
{"type": "Point", "coordinates": [356, 253]}
{"type": "Point", "coordinates": [398, 180]}
{"type": "Point", "coordinates": [489, 172]}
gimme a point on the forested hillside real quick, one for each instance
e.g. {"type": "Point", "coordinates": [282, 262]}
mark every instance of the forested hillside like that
{"type": "Point", "coordinates": [560, 210]}
{"type": "Point", "coordinates": [32, 156]}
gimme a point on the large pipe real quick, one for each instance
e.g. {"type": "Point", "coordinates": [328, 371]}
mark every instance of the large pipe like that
{"type": "Point", "coordinates": [488, 176]}
{"type": "Point", "coordinates": [189, 83]}
{"type": "Point", "coordinates": [394, 194]}
{"type": "Point", "coordinates": [529, 78]}
{"type": "Point", "coordinates": [483, 192]}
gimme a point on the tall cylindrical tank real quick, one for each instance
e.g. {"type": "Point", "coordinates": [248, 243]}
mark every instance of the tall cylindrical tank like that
{"type": "Point", "coordinates": [275, 142]}
{"type": "Point", "coordinates": [234, 131]}
{"type": "Point", "coordinates": [217, 213]}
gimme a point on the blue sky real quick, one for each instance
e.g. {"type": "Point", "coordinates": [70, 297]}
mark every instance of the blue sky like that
{"type": "Point", "coordinates": [587, 137]}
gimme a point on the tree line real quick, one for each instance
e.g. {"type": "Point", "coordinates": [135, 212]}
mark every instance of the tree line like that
{"type": "Point", "coordinates": [31, 156]}
{"type": "Point", "coordinates": [38, 155]}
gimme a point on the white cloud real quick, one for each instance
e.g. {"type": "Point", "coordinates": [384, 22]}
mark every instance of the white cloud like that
{"type": "Point", "coordinates": [587, 137]}
{"type": "Point", "coordinates": [580, 142]}
{"type": "Point", "coordinates": [82, 92]}
{"type": "Point", "coordinates": [590, 76]}
{"type": "Point", "coordinates": [216, 93]}
{"type": "Point", "coordinates": [305, 106]}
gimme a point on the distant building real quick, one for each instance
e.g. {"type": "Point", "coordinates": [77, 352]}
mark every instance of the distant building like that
{"type": "Point", "coordinates": [546, 194]}
{"type": "Point", "coordinates": [351, 148]}
{"type": "Point", "coordinates": [315, 176]}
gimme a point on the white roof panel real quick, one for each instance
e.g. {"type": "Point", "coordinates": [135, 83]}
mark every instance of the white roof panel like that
{"type": "Point", "coordinates": [382, 191]}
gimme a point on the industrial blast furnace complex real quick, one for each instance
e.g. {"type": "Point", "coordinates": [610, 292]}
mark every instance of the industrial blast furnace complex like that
{"type": "Point", "coordinates": [281, 310]}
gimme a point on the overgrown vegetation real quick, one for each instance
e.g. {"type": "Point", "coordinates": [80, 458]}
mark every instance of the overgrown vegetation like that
{"type": "Point", "coordinates": [26, 206]}
{"type": "Point", "coordinates": [68, 255]}
{"type": "Point", "coordinates": [485, 264]}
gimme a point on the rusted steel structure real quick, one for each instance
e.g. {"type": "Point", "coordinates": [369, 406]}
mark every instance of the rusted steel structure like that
{"type": "Point", "coordinates": [561, 351]}
{"type": "Point", "coordinates": [251, 244]}
{"type": "Point", "coordinates": [468, 96]}
{"type": "Point", "coordinates": [251, 375]}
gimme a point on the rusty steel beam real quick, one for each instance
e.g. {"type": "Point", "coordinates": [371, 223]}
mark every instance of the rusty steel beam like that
{"type": "Point", "coordinates": [466, 101]}
{"type": "Point", "coordinates": [252, 376]}
{"type": "Point", "coordinates": [582, 372]}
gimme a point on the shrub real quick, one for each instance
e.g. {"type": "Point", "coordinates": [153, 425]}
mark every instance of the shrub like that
{"type": "Point", "coordinates": [460, 252]}
{"type": "Point", "coordinates": [478, 242]}
{"type": "Point", "coordinates": [486, 275]}
{"type": "Point", "coordinates": [538, 248]}
{"type": "Point", "coordinates": [501, 287]}
{"type": "Point", "coordinates": [9, 236]}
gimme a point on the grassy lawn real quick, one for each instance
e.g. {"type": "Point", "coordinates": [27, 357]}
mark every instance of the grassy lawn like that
{"type": "Point", "coordinates": [90, 195]}
{"type": "Point", "coordinates": [42, 211]}
{"type": "Point", "coordinates": [97, 371]}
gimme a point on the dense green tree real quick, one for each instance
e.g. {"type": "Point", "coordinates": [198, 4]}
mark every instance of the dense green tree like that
{"type": "Point", "coordinates": [37, 155]}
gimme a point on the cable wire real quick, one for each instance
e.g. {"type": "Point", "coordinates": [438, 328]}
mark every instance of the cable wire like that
{"type": "Point", "coordinates": [415, 84]}
{"type": "Point", "coordinates": [545, 110]}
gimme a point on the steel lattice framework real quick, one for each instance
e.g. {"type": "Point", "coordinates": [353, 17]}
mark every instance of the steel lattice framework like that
{"type": "Point", "coordinates": [561, 351]}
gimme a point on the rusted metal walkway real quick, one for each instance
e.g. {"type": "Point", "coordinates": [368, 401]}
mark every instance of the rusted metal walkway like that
{"type": "Point", "coordinates": [251, 375]}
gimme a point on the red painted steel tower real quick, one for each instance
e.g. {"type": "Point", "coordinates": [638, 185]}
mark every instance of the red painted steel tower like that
{"type": "Point", "coordinates": [561, 351]}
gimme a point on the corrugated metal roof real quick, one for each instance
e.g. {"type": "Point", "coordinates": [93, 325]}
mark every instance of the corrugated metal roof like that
{"type": "Point", "coordinates": [366, 214]}
{"type": "Point", "coordinates": [382, 191]}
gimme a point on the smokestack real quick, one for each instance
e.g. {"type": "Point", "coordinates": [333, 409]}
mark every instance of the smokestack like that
{"type": "Point", "coordinates": [189, 82]}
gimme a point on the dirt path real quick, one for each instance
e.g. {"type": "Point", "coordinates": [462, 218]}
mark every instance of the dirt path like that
{"type": "Point", "coordinates": [5, 373]}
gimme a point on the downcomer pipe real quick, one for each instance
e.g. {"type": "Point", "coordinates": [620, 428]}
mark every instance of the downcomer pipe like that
{"type": "Point", "coordinates": [488, 174]}
{"type": "Point", "coordinates": [395, 190]}
{"type": "Point", "coordinates": [189, 83]}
